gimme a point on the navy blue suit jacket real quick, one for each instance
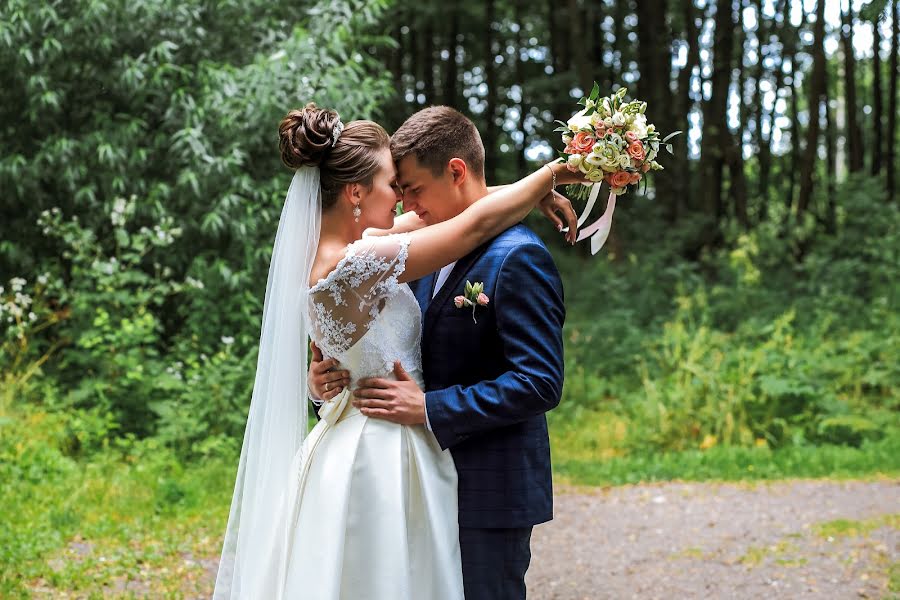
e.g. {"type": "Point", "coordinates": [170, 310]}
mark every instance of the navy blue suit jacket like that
{"type": "Point", "coordinates": [488, 384]}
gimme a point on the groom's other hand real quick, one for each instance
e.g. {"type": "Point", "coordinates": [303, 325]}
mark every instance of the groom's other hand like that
{"type": "Point", "coordinates": [554, 203]}
{"type": "Point", "coordinates": [398, 401]}
{"type": "Point", "coordinates": [324, 379]}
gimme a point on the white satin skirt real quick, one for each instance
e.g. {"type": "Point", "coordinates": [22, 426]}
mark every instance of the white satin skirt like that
{"type": "Point", "coordinates": [372, 514]}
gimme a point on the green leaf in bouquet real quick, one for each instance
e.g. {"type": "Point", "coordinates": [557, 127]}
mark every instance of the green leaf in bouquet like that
{"type": "Point", "coordinates": [669, 149]}
{"type": "Point", "coordinates": [670, 136]}
{"type": "Point", "coordinates": [595, 91]}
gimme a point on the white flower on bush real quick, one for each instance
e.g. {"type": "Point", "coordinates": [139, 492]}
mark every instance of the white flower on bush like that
{"type": "Point", "coordinates": [227, 340]}
{"type": "Point", "coordinates": [42, 279]}
{"type": "Point", "coordinates": [17, 283]}
{"type": "Point", "coordinates": [194, 283]}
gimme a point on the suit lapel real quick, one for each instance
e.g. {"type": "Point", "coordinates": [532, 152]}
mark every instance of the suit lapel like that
{"type": "Point", "coordinates": [423, 290]}
{"type": "Point", "coordinates": [452, 287]}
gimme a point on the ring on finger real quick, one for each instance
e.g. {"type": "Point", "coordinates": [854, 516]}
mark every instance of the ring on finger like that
{"type": "Point", "coordinates": [327, 386]}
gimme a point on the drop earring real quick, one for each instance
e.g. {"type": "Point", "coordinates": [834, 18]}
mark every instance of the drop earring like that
{"type": "Point", "coordinates": [356, 212]}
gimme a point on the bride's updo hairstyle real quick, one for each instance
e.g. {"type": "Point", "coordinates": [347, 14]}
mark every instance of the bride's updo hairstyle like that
{"type": "Point", "coordinates": [306, 140]}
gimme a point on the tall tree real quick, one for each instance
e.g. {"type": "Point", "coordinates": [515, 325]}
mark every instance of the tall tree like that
{"type": "Point", "coordinates": [817, 90]}
{"type": "Point", "coordinates": [765, 117]}
{"type": "Point", "coordinates": [878, 95]}
{"type": "Point", "coordinates": [682, 186]}
{"type": "Point", "coordinates": [454, 48]}
{"type": "Point", "coordinates": [716, 137]}
{"type": "Point", "coordinates": [519, 17]}
{"type": "Point", "coordinates": [830, 164]}
{"type": "Point", "coordinates": [735, 150]}
{"type": "Point", "coordinates": [789, 43]}
{"type": "Point", "coordinates": [490, 71]}
{"type": "Point", "coordinates": [854, 133]}
{"type": "Point", "coordinates": [428, 80]}
{"type": "Point", "coordinates": [892, 105]}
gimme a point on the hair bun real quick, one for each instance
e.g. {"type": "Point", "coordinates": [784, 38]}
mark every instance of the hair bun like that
{"type": "Point", "coordinates": [305, 136]}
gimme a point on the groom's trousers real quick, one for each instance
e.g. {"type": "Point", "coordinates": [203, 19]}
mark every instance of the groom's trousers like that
{"type": "Point", "coordinates": [494, 562]}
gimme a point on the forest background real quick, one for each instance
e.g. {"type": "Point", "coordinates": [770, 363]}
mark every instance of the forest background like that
{"type": "Point", "coordinates": [740, 324]}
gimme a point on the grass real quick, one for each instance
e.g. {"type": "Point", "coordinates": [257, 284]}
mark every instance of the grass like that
{"type": "Point", "coordinates": [131, 520]}
{"type": "Point", "coordinates": [125, 521]}
{"type": "Point", "coordinates": [849, 528]}
{"type": "Point", "coordinates": [724, 463]}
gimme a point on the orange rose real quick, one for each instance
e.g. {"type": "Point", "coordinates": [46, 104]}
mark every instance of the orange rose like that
{"type": "Point", "coordinates": [583, 142]}
{"type": "Point", "coordinates": [635, 177]}
{"type": "Point", "coordinates": [620, 179]}
{"type": "Point", "coordinates": [645, 167]}
{"type": "Point", "coordinates": [636, 150]}
{"type": "Point", "coordinates": [631, 136]}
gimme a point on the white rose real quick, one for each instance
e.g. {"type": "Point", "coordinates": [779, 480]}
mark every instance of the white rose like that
{"type": "Point", "coordinates": [580, 121]}
{"type": "Point", "coordinates": [624, 160]}
{"type": "Point", "coordinates": [618, 119]}
{"type": "Point", "coordinates": [593, 159]}
{"type": "Point", "coordinates": [596, 119]}
{"type": "Point", "coordinates": [595, 176]}
{"type": "Point", "coordinates": [574, 160]}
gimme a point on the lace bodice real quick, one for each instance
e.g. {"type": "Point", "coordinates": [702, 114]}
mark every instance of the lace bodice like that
{"type": "Point", "coordinates": [361, 315]}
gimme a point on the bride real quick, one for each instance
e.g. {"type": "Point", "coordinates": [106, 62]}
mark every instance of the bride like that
{"type": "Point", "coordinates": [359, 507]}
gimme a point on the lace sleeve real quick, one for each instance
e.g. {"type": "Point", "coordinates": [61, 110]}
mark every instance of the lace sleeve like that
{"type": "Point", "coordinates": [345, 304]}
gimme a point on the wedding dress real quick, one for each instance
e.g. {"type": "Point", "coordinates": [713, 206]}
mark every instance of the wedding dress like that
{"type": "Point", "coordinates": [372, 510]}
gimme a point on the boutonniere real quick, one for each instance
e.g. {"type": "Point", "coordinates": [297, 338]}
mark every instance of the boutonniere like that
{"type": "Point", "coordinates": [473, 297]}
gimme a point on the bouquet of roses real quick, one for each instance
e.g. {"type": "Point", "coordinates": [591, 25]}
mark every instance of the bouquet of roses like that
{"type": "Point", "coordinates": [609, 141]}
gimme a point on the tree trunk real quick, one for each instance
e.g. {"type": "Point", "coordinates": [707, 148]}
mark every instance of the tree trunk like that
{"type": "Point", "coordinates": [877, 101]}
{"type": "Point", "coordinates": [521, 161]}
{"type": "Point", "coordinates": [737, 178]}
{"type": "Point", "coordinates": [430, 87]}
{"type": "Point", "coordinates": [490, 132]}
{"type": "Point", "coordinates": [854, 135]}
{"type": "Point", "coordinates": [816, 92]}
{"type": "Point", "coordinates": [789, 41]}
{"type": "Point", "coordinates": [619, 41]}
{"type": "Point", "coordinates": [764, 141]}
{"type": "Point", "coordinates": [683, 186]}
{"type": "Point", "coordinates": [397, 60]}
{"type": "Point", "coordinates": [595, 21]}
{"type": "Point", "coordinates": [554, 44]}
{"type": "Point", "coordinates": [715, 123]}
{"type": "Point", "coordinates": [892, 107]}
{"type": "Point", "coordinates": [831, 169]}
{"type": "Point", "coordinates": [451, 72]}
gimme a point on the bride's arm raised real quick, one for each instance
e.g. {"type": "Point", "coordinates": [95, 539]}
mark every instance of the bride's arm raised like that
{"type": "Point", "coordinates": [434, 247]}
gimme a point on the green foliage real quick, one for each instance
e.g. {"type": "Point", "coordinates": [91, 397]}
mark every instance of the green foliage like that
{"type": "Point", "coordinates": [762, 350]}
{"type": "Point", "coordinates": [129, 513]}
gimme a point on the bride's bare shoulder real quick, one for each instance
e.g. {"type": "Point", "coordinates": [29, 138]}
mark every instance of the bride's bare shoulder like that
{"type": "Point", "coordinates": [328, 256]}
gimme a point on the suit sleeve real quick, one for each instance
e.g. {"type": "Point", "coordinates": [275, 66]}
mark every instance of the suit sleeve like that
{"type": "Point", "coordinates": [529, 309]}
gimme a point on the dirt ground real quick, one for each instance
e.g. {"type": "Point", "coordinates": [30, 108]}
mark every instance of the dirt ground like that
{"type": "Point", "coordinates": [794, 539]}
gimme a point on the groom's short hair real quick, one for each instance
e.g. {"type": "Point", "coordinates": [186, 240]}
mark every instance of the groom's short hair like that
{"type": "Point", "coordinates": [436, 134]}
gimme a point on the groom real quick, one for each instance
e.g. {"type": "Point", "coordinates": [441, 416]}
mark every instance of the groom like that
{"type": "Point", "coordinates": [491, 376]}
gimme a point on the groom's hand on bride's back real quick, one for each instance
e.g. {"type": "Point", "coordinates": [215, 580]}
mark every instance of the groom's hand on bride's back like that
{"type": "Point", "coordinates": [400, 401]}
{"type": "Point", "coordinates": [325, 379]}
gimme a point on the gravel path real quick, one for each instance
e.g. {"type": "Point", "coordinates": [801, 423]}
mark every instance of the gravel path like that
{"type": "Point", "coordinates": [702, 540]}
